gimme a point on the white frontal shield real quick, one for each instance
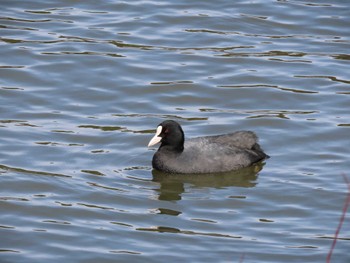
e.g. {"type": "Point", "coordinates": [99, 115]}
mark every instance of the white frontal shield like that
{"type": "Point", "coordinates": [156, 139]}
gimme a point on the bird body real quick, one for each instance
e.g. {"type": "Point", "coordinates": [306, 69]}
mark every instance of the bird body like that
{"type": "Point", "coordinates": [209, 154]}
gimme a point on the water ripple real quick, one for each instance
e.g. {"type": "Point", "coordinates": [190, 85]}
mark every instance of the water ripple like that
{"type": "Point", "coordinates": [83, 87]}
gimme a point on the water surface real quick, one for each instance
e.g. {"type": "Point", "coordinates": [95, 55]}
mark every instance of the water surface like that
{"type": "Point", "coordinates": [83, 86]}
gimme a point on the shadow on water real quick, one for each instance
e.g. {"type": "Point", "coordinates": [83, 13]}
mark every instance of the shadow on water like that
{"type": "Point", "coordinates": [4, 168]}
{"type": "Point", "coordinates": [173, 185]}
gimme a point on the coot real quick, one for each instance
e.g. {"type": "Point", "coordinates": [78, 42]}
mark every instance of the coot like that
{"type": "Point", "coordinates": [209, 154]}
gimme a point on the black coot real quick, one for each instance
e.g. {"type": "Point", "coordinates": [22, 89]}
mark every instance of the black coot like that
{"type": "Point", "coordinates": [210, 154]}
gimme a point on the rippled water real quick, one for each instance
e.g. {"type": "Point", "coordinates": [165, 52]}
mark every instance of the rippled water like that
{"type": "Point", "coordinates": [83, 86]}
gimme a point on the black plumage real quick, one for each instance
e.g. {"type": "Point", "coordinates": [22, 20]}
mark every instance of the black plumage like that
{"type": "Point", "coordinates": [209, 154]}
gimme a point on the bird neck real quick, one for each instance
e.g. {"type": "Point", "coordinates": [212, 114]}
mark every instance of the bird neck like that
{"type": "Point", "coordinates": [171, 148]}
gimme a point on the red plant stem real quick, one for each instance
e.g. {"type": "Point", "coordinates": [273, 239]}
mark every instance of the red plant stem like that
{"type": "Point", "coordinates": [242, 258]}
{"type": "Point", "coordinates": [341, 221]}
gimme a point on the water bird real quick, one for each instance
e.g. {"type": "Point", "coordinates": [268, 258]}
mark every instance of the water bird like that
{"type": "Point", "coordinates": [208, 154]}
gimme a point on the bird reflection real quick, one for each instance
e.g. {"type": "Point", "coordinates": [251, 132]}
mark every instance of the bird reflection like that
{"type": "Point", "coordinates": [173, 185]}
